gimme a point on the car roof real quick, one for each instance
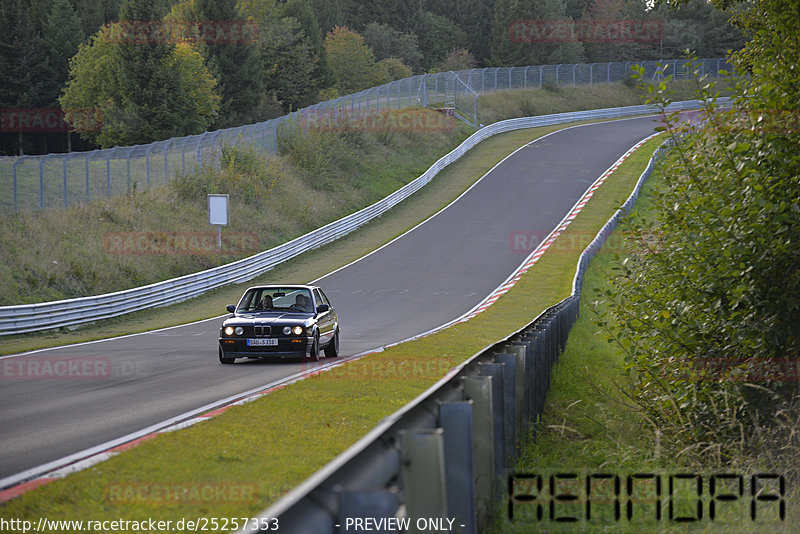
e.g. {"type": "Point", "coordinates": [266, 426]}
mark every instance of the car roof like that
{"type": "Point", "coordinates": [270, 286]}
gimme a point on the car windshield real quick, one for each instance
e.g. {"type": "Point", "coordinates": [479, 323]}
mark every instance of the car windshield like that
{"type": "Point", "coordinates": [283, 299]}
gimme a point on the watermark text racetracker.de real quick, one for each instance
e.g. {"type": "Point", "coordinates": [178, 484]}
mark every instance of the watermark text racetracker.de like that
{"type": "Point", "coordinates": [150, 525]}
{"type": "Point", "coordinates": [79, 368]}
{"type": "Point", "coordinates": [179, 243]}
{"type": "Point", "coordinates": [396, 120]}
{"type": "Point", "coordinates": [198, 493]}
{"type": "Point", "coordinates": [586, 31]}
{"type": "Point", "coordinates": [50, 120]}
{"type": "Point", "coordinates": [619, 242]}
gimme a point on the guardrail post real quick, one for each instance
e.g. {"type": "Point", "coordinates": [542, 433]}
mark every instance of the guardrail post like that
{"type": "Point", "coordinates": [455, 418]}
{"type": "Point", "coordinates": [422, 473]}
{"type": "Point", "coordinates": [522, 348]}
{"type": "Point", "coordinates": [495, 370]}
{"type": "Point", "coordinates": [361, 504]}
{"type": "Point", "coordinates": [478, 389]}
{"type": "Point", "coordinates": [511, 395]}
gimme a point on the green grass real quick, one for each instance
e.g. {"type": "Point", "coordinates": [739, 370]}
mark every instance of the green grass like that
{"type": "Point", "coordinates": [590, 426]}
{"type": "Point", "coordinates": [274, 443]}
{"type": "Point", "coordinates": [527, 102]}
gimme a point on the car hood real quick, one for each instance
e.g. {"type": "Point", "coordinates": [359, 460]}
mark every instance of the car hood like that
{"type": "Point", "coordinates": [279, 318]}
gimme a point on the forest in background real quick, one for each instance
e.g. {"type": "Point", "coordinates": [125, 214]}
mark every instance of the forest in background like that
{"type": "Point", "coordinates": [65, 54]}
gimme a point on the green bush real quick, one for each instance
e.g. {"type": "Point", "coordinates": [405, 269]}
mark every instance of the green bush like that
{"type": "Point", "coordinates": [708, 312]}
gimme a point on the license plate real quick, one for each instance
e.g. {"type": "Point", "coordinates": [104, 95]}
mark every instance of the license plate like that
{"type": "Point", "coordinates": [264, 342]}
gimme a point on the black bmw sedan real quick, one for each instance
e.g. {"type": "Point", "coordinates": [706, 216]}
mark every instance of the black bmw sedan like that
{"type": "Point", "coordinates": [280, 321]}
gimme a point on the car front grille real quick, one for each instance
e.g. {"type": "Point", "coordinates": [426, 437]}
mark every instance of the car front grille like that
{"type": "Point", "coordinates": [262, 330]}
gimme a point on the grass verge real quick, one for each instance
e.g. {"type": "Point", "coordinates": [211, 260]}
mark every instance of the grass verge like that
{"type": "Point", "coordinates": [263, 449]}
{"type": "Point", "coordinates": [590, 427]}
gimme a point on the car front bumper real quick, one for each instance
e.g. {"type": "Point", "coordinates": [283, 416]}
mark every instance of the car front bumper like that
{"type": "Point", "coordinates": [286, 348]}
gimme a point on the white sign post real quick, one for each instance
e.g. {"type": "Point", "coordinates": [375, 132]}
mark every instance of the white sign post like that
{"type": "Point", "coordinates": [218, 214]}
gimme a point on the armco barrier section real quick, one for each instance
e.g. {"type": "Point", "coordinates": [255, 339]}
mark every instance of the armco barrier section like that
{"type": "Point", "coordinates": [448, 453]}
{"type": "Point", "coordinates": [48, 315]}
{"type": "Point", "coordinates": [61, 180]}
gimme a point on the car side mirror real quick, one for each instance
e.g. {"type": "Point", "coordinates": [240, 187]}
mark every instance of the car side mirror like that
{"type": "Point", "coordinates": [323, 308]}
{"type": "Point", "coordinates": [231, 308]}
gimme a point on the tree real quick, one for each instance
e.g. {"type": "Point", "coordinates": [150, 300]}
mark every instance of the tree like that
{"type": "Point", "coordinates": [233, 62]}
{"type": "Point", "coordinates": [457, 59]}
{"type": "Point", "coordinates": [302, 11]}
{"type": "Point", "coordinates": [401, 14]}
{"type": "Point", "coordinates": [709, 318]}
{"type": "Point", "coordinates": [438, 35]}
{"type": "Point", "coordinates": [351, 61]}
{"type": "Point", "coordinates": [697, 26]}
{"type": "Point", "coordinates": [472, 18]}
{"type": "Point", "coordinates": [288, 63]}
{"type": "Point", "coordinates": [62, 36]}
{"type": "Point", "coordinates": [391, 69]}
{"type": "Point", "coordinates": [509, 50]}
{"type": "Point", "coordinates": [97, 81]}
{"type": "Point", "coordinates": [29, 67]}
{"type": "Point", "coordinates": [96, 13]}
{"type": "Point", "coordinates": [386, 42]}
{"type": "Point", "coordinates": [148, 89]}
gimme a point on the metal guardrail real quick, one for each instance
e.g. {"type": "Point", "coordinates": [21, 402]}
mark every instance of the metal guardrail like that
{"type": "Point", "coordinates": [61, 180]}
{"type": "Point", "coordinates": [447, 453]}
{"type": "Point", "coordinates": [49, 315]}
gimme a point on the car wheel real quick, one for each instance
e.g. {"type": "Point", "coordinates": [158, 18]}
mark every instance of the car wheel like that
{"type": "Point", "coordinates": [223, 359]}
{"type": "Point", "coordinates": [332, 349]}
{"type": "Point", "coordinates": [313, 352]}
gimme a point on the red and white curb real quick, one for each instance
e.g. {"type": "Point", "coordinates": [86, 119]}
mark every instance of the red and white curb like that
{"type": "Point", "coordinates": [21, 483]}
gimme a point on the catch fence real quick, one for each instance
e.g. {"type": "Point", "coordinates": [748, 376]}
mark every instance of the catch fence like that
{"type": "Point", "coordinates": [61, 180]}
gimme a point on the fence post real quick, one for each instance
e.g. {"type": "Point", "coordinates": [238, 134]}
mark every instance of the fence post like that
{"type": "Point", "coordinates": [86, 161]}
{"type": "Point", "coordinates": [64, 172]}
{"type": "Point", "coordinates": [199, 155]}
{"type": "Point", "coordinates": [166, 160]}
{"type": "Point", "coordinates": [108, 172]}
{"type": "Point", "coordinates": [147, 164]}
{"type": "Point", "coordinates": [14, 172]}
{"type": "Point", "coordinates": [41, 180]}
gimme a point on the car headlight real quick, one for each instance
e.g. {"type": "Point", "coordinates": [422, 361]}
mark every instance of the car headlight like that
{"type": "Point", "coordinates": [228, 330]}
{"type": "Point", "coordinates": [287, 330]}
{"type": "Point", "coordinates": [297, 330]}
{"type": "Point", "coordinates": [239, 330]}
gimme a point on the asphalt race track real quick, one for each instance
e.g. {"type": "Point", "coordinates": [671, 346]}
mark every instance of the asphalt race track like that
{"type": "Point", "coordinates": [425, 278]}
